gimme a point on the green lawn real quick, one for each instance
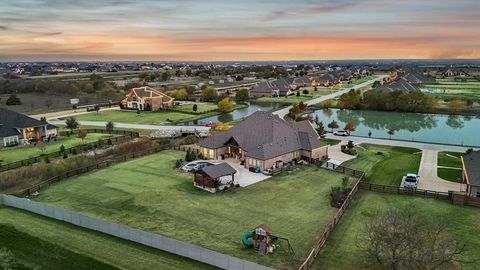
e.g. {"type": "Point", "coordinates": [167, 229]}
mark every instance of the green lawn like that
{"type": "Point", "coordinates": [130, 116]}
{"type": "Point", "coordinates": [342, 252]}
{"type": "Point", "coordinates": [330, 141]}
{"type": "Point", "coordinates": [450, 159]}
{"type": "Point", "coordinates": [50, 244]}
{"type": "Point", "coordinates": [201, 107]}
{"type": "Point", "coordinates": [146, 117]}
{"type": "Point", "coordinates": [452, 89]}
{"type": "Point", "coordinates": [386, 168]}
{"type": "Point", "coordinates": [453, 175]}
{"type": "Point", "coordinates": [147, 193]}
{"type": "Point", "coordinates": [12, 154]}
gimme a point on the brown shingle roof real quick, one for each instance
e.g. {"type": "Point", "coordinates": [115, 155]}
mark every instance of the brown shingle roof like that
{"type": "Point", "coordinates": [219, 170]}
{"type": "Point", "coordinates": [472, 167]}
{"type": "Point", "coordinates": [264, 135]}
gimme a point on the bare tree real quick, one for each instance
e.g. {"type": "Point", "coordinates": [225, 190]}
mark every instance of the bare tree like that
{"type": "Point", "coordinates": [402, 238]}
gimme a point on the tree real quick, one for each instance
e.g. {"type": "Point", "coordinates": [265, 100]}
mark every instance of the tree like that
{"type": "Point", "coordinates": [404, 238]}
{"type": "Point", "coordinates": [320, 129]}
{"type": "Point", "coordinates": [333, 125]}
{"type": "Point", "coordinates": [97, 108]}
{"type": "Point", "coordinates": [456, 105]}
{"type": "Point", "coordinates": [349, 127]}
{"type": "Point", "coordinates": [298, 94]}
{"type": "Point", "coordinates": [71, 123]}
{"type": "Point", "coordinates": [195, 107]}
{"type": "Point", "coordinates": [209, 94]}
{"type": "Point", "coordinates": [43, 119]}
{"type": "Point", "coordinates": [305, 92]}
{"type": "Point", "coordinates": [376, 84]}
{"type": "Point", "coordinates": [225, 105]}
{"type": "Point", "coordinates": [242, 94]}
{"type": "Point", "coordinates": [13, 100]}
{"type": "Point", "coordinates": [109, 126]}
{"type": "Point", "coordinates": [391, 132]}
{"type": "Point", "coordinates": [180, 94]}
{"type": "Point", "coordinates": [7, 260]}
{"type": "Point", "coordinates": [166, 75]}
{"type": "Point", "coordinates": [82, 134]}
{"type": "Point", "coordinates": [138, 112]}
{"type": "Point", "coordinates": [219, 127]}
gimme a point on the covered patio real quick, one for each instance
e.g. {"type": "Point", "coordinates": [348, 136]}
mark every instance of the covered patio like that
{"type": "Point", "coordinates": [215, 178]}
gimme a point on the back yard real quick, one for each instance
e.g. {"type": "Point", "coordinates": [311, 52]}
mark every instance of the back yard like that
{"type": "Point", "coordinates": [385, 165]}
{"type": "Point", "coordinates": [12, 154]}
{"type": "Point", "coordinates": [43, 243]}
{"type": "Point", "coordinates": [342, 250]}
{"type": "Point", "coordinates": [456, 88]}
{"type": "Point", "coordinates": [149, 194]}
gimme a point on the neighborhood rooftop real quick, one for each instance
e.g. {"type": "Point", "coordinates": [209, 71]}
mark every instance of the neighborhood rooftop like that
{"type": "Point", "coordinates": [472, 167]}
{"type": "Point", "coordinates": [11, 121]}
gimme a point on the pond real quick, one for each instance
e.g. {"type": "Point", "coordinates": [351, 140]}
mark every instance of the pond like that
{"type": "Point", "coordinates": [434, 128]}
{"type": "Point", "coordinates": [237, 114]}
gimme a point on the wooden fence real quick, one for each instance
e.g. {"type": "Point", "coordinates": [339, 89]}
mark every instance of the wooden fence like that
{"type": "Point", "coordinates": [124, 136]}
{"type": "Point", "coordinates": [461, 198]}
{"type": "Point", "coordinates": [99, 165]}
{"type": "Point", "coordinates": [399, 190]}
{"type": "Point", "coordinates": [327, 230]}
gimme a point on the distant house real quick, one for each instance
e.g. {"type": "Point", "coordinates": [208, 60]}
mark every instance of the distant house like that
{"type": "Point", "coordinates": [327, 79]}
{"type": "Point", "coordinates": [303, 81]}
{"type": "Point", "coordinates": [264, 140]}
{"type": "Point", "coordinates": [279, 87]}
{"type": "Point", "coordinates": [146, 98]}
{"type": "Point", "coordinates": [471, 172]}
{"type": "Point", "coordinates": [398, 85]}
{"type": "Point", "coordinates": [417, 77]}
{"type": "Point", "coordinates": [16, 128]}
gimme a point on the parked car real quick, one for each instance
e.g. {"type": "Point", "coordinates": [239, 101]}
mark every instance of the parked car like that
{"type": "Point", "coordinates": [210, 124]}
{"type": "Point", "coordinates": [410, 181]}
{"type": "Point", "coordinates": [90, 109]}
{"type": "Point", "coordinates": [196, 165]}
{"type": "Point", "coordinates": [340, 133]}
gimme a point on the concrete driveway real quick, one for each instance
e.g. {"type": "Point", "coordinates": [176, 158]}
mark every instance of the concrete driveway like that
{"type": "Point", "coordinates": [428, 174]}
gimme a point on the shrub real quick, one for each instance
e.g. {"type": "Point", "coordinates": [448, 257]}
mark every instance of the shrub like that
{"type": "Point", "coordinates": [305, 92]}
{"type": "Point", "coordinates": [7, 260]}
{"type": "Point", "coordinates": [62, 148]}
{"type": "Point", "coordinates": [178, 163]}
{"type": "Point", "coordinates": [109, 141]}
{"type": "Point", "coordinates": [190, 139]}
{"type": "Point", "coordinates": [65, 155]}
{"type": "Point", "coordinates": [13, 100]}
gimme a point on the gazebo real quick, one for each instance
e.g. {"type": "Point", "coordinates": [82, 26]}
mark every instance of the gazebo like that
{"type": "Point", "coordinates": [213, 178]}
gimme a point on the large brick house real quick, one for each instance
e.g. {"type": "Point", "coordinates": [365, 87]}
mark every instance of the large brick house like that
{"type": "Point", "coordinates": [146, 98]}
{"type": "Point", "coordinates": [16, 128]}
{"type": "Point", "coordinates": [264, 140]}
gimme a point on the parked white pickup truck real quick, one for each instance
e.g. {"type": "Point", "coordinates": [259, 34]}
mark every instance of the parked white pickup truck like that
{"type": "Point", "coordinates": [410, 181]}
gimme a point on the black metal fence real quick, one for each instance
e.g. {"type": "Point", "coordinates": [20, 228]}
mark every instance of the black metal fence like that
{"type": "Point", "coordinates": [82, 170]}
{"type": "Point", "coordinates": [124, 136]}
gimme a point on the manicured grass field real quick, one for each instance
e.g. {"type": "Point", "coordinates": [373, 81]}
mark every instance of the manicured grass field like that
{"type": "Point", "coordinates": [451, 89]}
{"type": "Point", "coordinates": [41, 242]}
{"type": "Point", "coordinates": [130, 116]}
{"type": "Point", "coordinates": [13, 154]}
{"type": "Point", "coordinates": [342, 251]}
{"type": "Point", "coordinates": [452, 160]}
{"type": "Point", "coordinates": [201, 107]}
{"type": "Point", "coordinates": [147, 193]}
{"type": "Point", "coordinates": [453, 175]}
{"type": "Point", "coordinates": [386, 168]}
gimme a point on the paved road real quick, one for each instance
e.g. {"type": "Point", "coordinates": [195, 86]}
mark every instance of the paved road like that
{"type": "Point", "coordinates": [284, 111]}
{"type": "Point", "coordinates": [428, 164]}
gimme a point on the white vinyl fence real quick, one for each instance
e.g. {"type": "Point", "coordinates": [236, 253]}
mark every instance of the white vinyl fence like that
{"type": "Point", "coordinates": [145, 238]}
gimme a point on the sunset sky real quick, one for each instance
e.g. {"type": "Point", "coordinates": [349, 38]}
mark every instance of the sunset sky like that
{"type": "Point", "coordinates": [86, 30]}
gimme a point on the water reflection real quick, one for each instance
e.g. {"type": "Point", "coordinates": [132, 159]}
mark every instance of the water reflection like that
{"type": "Point", "coordinates": [396, 121]}
{"type": "Point", "coordinates": [437, 128]}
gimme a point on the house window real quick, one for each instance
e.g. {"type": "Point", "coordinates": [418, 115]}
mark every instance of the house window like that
{"type": "Point", "coordinates": [211, 153]}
